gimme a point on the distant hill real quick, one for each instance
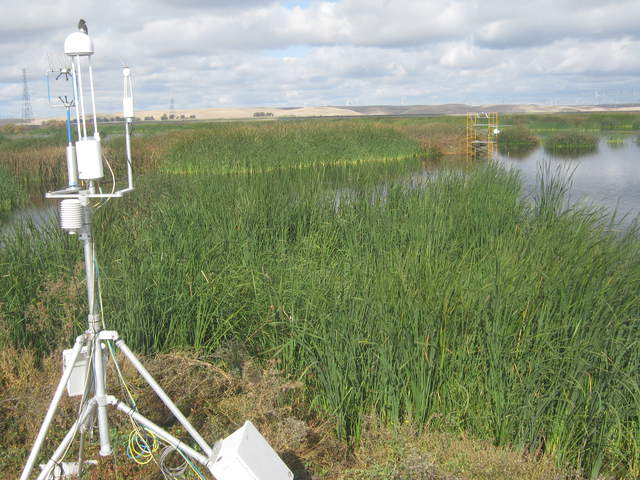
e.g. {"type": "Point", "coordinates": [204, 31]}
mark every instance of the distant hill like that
{"type": "Point", "coordinates": [265, 113]}
{"type": "Point", "coordinates": [460, 108]}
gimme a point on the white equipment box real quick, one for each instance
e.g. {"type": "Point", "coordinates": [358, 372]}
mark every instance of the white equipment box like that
{"type": "Point", "coordinates": [246, 455]}
{"type": "Point", "coordinates": [75, 385]}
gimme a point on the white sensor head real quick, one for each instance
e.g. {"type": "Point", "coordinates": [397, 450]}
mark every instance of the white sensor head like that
{"type": "Point", "coordinates": [78, 43]}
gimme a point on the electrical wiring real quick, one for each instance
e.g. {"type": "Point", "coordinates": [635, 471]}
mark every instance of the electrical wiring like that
{"type": "Point", "coordinates": [168, 470]}
{"type": "Point", "coordinates": [141, 446]}
{"type": "Point", "coordinates": [113, 184]}
{"type": "Point", "coordinates": [138, 449]}
{"type": "Point", "coordinates": [192, 465]}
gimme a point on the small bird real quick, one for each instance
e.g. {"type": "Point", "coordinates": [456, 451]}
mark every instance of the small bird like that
{"type": "Point", "coordinates": [82, 26]}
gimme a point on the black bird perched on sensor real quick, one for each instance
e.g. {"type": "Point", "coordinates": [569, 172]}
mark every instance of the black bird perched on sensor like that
{"type": "Point", "coordinates": [82, 26]}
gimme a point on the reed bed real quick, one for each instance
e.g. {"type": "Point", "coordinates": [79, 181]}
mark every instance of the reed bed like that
{"type": "Point", "coordinates": [592, 121]}
{"type": "Point", "coordinates": [571, 143]}
{"type": "Point", "coordinates": [459, 306]}
{"type": "Point", "coordinates": [11, 194]}
{"type": "Point", "coordinates": [36, 168]}
{"type": "Point", "coordinates": [518, 140]}
{"type": "Point", "coordinates": [258, 148]}
{"type": "Point", "coordinates": [616, 140]}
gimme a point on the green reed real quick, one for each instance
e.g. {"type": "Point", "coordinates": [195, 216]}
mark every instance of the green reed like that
{"type": "Point", "coordinates": [571, 142]}
{"type": "Point", "coordinates": [456, 305]}
{"type": "Point", "coordinates": [517, 140]}
{"type": "Point", "coordinates": [12, 195]}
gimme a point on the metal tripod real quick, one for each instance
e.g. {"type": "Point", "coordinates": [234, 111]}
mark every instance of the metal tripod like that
{"type": "Point", "coordinates": [95, 384]}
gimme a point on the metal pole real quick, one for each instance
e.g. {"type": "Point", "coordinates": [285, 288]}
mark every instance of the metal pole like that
{"type": "Point", "coordinates": [44, 428]}
{"type": "Point", "coordinates": [160, 432]}
{"type": "Point", "coordinates": [127, 139]}
{"type": "Point", "coordinates": [94, 329]}
{"type": "Point", "coordinates": [164, 397]}
{"type": "Point", "coordinates": [93, 100]}
{"type": "Point", "coordinates": [62, 448]}
{"type": "Point", "coordinates": [81, 93]}
{"type": "Point", "coordinates": [75, 95]}
{"type": "Point", "coordinates": [103, 420]}
{"type": "Point", "coordinates": [87, 239]}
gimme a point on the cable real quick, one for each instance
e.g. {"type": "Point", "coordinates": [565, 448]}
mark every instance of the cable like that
{"type": "Point", "coordinates": [112, 352]}
{"type": "Point", "coordinates": [168, 470]}
{"type": "Point", "coordinates": [142, 443]}
{"type": "Point", "coordinates": [141, 446]}
{"type": "Point", "coordinates": [193, 467]}
{"type": "Point", "coordinates": [113, 185]}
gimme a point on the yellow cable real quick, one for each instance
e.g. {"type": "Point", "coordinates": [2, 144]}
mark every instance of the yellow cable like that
{"type": "Point", "coordinates": [138, 446]}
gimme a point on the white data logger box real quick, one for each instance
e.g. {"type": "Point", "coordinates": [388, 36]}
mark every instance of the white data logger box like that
{"type": "Point", "coordinates": [246, 455]}
{"type": "Point", "coordinates": [75, 385]}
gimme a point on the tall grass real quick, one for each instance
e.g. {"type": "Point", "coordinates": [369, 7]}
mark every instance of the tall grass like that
{"type": "Point", "coordinates": [255, 148]}
{"type": "Point", "coordinates": [518, 140]}
{"type": "Point", "coordinates": [571, 143]}
{"type": "Point", "coordinates": [11, 194]}
{"type": "Point", "coordinates": [616, 140]}
{"type": "Point", "coordinates": [459, 306]}
{"type": "Point", "coordinates": [592, 121]}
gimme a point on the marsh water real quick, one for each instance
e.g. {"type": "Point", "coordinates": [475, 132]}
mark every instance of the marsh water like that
{"type": "Point", "coordinates": [607, 177]}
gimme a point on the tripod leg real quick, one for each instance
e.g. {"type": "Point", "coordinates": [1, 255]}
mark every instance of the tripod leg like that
{"type": "Point", "coordinates": [160, 432]}
{"type": "Point", "coordinates": [44, 428]}
{"type": "Point", "coordinates": [62, 448]}
{"type": "Point", "coordinates": [164, 397]}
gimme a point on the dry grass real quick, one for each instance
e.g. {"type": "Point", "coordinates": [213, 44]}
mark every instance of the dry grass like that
{"type": "Point", "coordinates": [218, 402]}
{"type": "Point", "coordinates": [442, 137]}
{"type": "Point", "coordinates": [37, 166]}
{"type": "Point", "coordinates": [406, 454]}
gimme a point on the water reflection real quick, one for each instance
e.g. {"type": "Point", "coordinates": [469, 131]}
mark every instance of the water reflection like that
{"type": "Point", "coordinates": [36, 218]}
{"type": "Point", "coordinates": [609, 176]}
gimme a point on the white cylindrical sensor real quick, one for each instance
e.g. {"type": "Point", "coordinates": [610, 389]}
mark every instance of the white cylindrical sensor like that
{"type": "Point", "coordinates": [127, 107]}
{"type": "Point", "coordinates": [71, 215]}
{"type": "Point", "coordinates": [127, 99]}
{"type": "Point", "coordinates": [89, 155]}
{"type": "Point", "coordinates": [72, 166]}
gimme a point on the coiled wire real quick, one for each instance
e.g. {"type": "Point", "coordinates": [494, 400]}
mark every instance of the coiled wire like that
{"type": "Point", "coordinates": [168, 470]}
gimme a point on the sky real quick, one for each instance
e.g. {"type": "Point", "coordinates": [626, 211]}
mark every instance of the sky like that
{"type": "Point", "coordinates": [247, 53]}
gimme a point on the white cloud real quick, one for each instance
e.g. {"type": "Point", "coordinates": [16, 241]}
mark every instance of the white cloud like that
{"type": "Point", "coordinates": [253, 52]}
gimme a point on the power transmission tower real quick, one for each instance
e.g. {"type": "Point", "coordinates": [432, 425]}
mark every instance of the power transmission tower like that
{"type": "Point", "coordinates": [27, 113]}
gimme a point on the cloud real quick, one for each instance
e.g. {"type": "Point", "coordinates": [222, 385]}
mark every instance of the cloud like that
{"type": "Point", "coordinates": [252, 52]}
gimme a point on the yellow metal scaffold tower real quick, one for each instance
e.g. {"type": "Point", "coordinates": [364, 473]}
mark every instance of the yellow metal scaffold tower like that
{"type": "Point", "coordinates": [482, 135]}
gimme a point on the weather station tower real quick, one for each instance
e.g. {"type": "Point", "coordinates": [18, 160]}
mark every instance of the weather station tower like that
{"type": "Point", "coordinates": [243, 455]}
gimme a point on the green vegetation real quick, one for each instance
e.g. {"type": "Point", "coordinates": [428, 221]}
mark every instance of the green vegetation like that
{"type": "Point", "coordinates": [272, 146]}
{"type": "Point", "coordinates": [571, 143]}
{"type": "Point", "coordinates": [518, 140]}
{"type": "Point", "coordinates": [455, 307]}
{"type": "Point", "coordinates": [225, 399]}
{"type": "Point", "coordinates": [11, 195]}
{"type": "Point", "coordinates": [616, 140]}
{"type": "Point", "coordinates": [596, 122]}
